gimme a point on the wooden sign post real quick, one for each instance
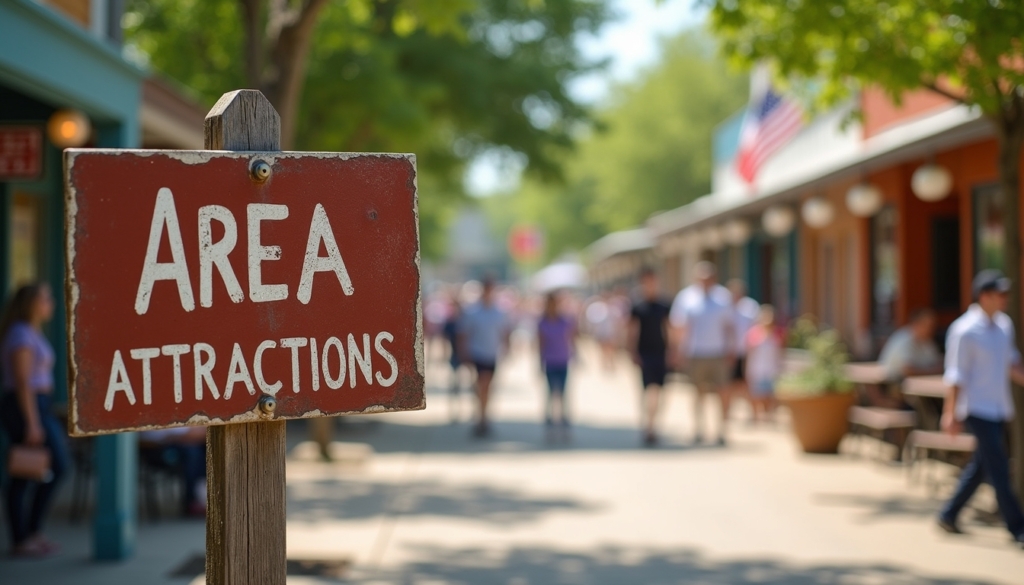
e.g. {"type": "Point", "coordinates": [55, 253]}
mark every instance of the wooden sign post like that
{"type": "Point", "coordinates": [236, 287]}
{"type": "Point", "coordinates": [245, 487]}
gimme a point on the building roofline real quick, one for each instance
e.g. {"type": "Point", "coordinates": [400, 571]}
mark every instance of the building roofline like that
{"type": "Point", "coordinates": [915, 139]}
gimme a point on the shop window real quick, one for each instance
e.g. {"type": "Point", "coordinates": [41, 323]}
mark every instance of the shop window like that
{"type": "Point", "coordinates": [884, 270]}
{"type": "Point", "coordinates": [989, 236]}
{"type": "Point", "coordinates": [946, 263]}
{"type": "Point", "coordinates": [24, 243]}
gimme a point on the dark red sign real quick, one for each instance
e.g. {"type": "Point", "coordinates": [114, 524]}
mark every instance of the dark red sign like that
{"type": "Point", "coordinates": [21, 153]}
{"type": "Point", "coordinates": [201, 281]}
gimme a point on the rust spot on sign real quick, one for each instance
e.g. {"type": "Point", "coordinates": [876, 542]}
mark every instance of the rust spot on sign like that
{"type": "Point", "coordinates": [194, 290]}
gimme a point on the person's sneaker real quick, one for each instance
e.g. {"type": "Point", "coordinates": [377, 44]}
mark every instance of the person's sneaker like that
{"type": "Point", "coordinates": [1020, 540]}
{"type": "Point", "coordinates": [721, 441]}
{"type": "Point", "coordinates": [698, 438]}
{"type": "Point", "coordinates": [650, 440]}
{"type": "Point", "coordinates": [949, 527]}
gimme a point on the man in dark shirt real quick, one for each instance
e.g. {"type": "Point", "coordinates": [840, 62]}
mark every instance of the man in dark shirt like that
{"type": "Point", "coordinates": [648, 343]}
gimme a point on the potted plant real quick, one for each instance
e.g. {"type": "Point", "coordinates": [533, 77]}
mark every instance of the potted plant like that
{"type": "Point", "coordinates": [818, 395]}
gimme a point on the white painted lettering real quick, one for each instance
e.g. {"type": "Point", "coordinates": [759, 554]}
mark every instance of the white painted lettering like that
{"type": "Point", "coordinates": [390, 359]}
{"type": "Point", "coordinates": [363, 359]}
{"type": "Point", "coordinates": [237, 372]}
{"type": "Point", "coordinates": [176, 351]}
{"type": "Point", "coordinates": [334, 383]}
{"type": "Point", "coordinates": [118, 382]}
{"type": "Point", "coordinates": [294, 343]}
{"type": "Point", "coordinates": [320, 231]}
{"type": "Point", "coordinates": [216, 254]}
{"type": "Point", "coordinates": [258, 253]}
{"type": "Point", "coordinates": [257, 369]}
{"type": "Point", "coordinates": [165, 218]}
{"type": "Point", "coordinates": [314, 362]}
{"type": "Point", "coordinates": [146, 354]}
{"type": "Point", "coordinates": [204, 369]}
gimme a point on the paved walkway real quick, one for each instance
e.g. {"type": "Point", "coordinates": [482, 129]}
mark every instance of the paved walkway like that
{"type": "Point", "coordinates": [430, 506]}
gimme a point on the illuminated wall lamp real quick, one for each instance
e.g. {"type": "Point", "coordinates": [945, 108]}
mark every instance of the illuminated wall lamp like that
{"type": "Point", "coordinates": [68, 128]}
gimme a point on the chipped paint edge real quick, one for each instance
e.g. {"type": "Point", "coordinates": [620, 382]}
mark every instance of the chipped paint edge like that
{"type": "Point", "coordinates": [198, 157]}
{"type": "Point", "coordinates": [71, 290]}
{"type": "Point", "coordinates": [420, 344]}
{"type": "Point", "coordinates": [198, 420]}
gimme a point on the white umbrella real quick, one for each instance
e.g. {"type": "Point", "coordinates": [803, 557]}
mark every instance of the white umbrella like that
{"type": "Point", "coordinates": [560, 275]}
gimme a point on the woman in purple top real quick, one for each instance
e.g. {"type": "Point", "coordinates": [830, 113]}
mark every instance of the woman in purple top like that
{"type": "Point", "coordinates": [555, 333]}
{"type": "Point", "coordinates": [26, 370]}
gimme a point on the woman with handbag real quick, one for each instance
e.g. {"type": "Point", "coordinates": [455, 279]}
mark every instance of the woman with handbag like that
{"type": "Point", "coordinates": [37, 439]}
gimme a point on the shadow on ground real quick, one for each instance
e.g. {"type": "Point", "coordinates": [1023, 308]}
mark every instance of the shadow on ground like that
{"type": "Point", "coordinates": [507, 437]}
{"type": "Point", "coordinates": [618, 566]}
{"type": "Point", "coordinates": [330, 499]}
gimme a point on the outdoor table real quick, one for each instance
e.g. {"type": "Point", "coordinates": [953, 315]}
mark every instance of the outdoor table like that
{"type": "Point", "coordinates": [925, 394]}
{"type": "Point", "coordinates": [870, 378]}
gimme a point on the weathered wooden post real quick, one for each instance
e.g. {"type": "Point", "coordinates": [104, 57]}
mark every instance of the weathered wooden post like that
{"type": "Point", "coordinates": [162, 332]}
{"type": "Point", "coordinates": [245, 516]}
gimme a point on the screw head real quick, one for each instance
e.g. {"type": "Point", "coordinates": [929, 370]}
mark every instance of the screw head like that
{"type": "Point", "coordinates": [260, 170]}
{"type": "Point", "coordinates": [268, 404]}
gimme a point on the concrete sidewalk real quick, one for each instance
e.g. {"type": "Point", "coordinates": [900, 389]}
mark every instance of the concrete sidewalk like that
{"type": "Point", "coordinates": [431, 506]}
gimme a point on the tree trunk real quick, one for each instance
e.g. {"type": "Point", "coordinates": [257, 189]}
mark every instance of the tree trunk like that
{"type": "Point", "coordinates": [1011, 141]}
{"type": "Point", "coordinates": [252, 15]}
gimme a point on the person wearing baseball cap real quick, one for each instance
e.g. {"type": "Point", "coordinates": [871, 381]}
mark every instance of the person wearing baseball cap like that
{"type": "Point", "coordinates": [981, 359]}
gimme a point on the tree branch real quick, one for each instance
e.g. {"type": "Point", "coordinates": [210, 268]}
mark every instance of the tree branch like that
{"type": "Point", "coordinates": [944, 92]}
{"type": "Point", "coordinates": [253, 42]}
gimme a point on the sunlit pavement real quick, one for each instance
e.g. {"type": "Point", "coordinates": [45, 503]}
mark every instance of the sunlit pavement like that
{"type": "Point", "coordinates": [431, 506]}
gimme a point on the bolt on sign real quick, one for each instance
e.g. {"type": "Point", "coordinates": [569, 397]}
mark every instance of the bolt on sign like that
{"type": "Point", "coordinates": [212, 287]}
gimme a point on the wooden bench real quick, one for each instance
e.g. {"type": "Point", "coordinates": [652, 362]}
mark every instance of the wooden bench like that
{"type": "Point", "coordinates": [875, 421]}
{"type": "Point", "coordinates": [928, 441]}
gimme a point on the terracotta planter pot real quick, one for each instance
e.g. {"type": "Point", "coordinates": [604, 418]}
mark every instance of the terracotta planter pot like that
{"type": "Point", "coordinates": [820, 422]}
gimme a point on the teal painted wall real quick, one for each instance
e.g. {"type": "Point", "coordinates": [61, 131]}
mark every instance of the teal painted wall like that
{"type": "Point", "coordinates": [46, 63]}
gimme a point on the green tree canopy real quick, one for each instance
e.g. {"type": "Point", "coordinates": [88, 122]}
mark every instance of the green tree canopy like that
{"type": "Point", "coordinates": [653, 151]}
{"type": "Point", "coordinates": [445, 80]}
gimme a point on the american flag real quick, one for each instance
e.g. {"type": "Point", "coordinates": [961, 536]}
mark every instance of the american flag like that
{"type": "Point", "coordinates": [771, 120]}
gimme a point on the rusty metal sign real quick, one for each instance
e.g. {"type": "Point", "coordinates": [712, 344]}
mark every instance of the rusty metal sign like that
{"type": "Point", "coordinates": [210, 287]}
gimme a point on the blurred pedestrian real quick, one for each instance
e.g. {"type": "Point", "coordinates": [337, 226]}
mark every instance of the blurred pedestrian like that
{"type": "Point", "coordinates": [450, 332]}
{"type": "Point", "coordinates": [980, 360]}
{"type": "Point", "coordinates": [648, 344]}
{"type": "Point", "coordinates": [911, 350]}
{"type": "Point", "coordinates": [484, 332]}
{"type": "Point", "coordinates": [745, 312]}
{"type": "Point", "coordinates": [703, 327]}
{"type": "Point", "coordinates": [764, 346]}
{"type": "Point", "coordinates": [27, 362]}
{"type": "Point", "coordinates": [555, 335]}
{"type": "Point", "coordinates": [603, 326]}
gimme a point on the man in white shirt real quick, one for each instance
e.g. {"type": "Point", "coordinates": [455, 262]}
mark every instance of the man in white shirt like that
{"type": "Point", "coordinates": [980, 360]}
{"type": "Point", "coordinates": [704, 336]}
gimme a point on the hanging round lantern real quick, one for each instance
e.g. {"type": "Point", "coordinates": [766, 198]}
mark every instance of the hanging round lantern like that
{"type": "Point", "coordinates": [864, 199]}
{"type": "Point", "coordinates": [778, 220]}
{"type": "Point", "coordinates": [931, 182]}
{"type": "Point", "coordinates": [711, 238]}
{"type": "Point", "coordinates": [817, 212]}
{"type": "Point", "coordinates": [736, 231]}
{"type": "Point", "coordinates": [68, 128]}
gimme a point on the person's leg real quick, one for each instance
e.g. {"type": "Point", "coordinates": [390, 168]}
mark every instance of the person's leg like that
{"type": "Point", "coordinates": [483, 395]}
{"type": "Point", "coordinates": [721, 374]}
{"type": "Point", "coordinates": [652, 403]}
{"type": "Point", "coordinates": [970, 479]}
{"type": "Point", "coordinates": [549, 404]}
{"type": "Point", "coordinates": [17, 518]}
{"type": "Point", "coordinates": [60, 460]}
{"type": "Point", "coordinates": [699, 378]}
{"type": "Point", "coordinates": [995, 461]}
